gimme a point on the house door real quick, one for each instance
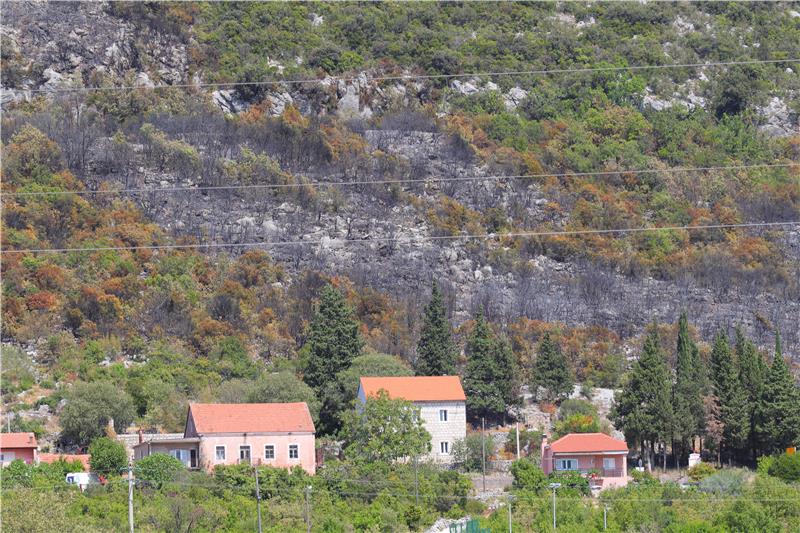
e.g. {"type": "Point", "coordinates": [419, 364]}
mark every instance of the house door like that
{"type": "Point", "coordinates": [193, 458]}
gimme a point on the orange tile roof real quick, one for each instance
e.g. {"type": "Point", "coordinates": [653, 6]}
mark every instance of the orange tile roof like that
{"type": "Point", "coordinates": [588, 442]}
{"type": "Point", "coordinates": [251, 418]}
{"type": "Point", "coordinates": [17, 440]}
{"type": "Point", "coordinates": [53, 457]}
{"type": "Point", "coordinates": [416, 388]}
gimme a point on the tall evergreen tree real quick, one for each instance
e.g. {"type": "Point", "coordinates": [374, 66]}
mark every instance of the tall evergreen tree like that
{"type": "Point", "coordinates": [436, 351]}
{"type": "Point", "coordinates": [778, 410]}
{"type": "Point", "coordinates": [643, 410]}
{"type": "Point", "coordinates": [551, 371]}
{"type": "Point", "coordinates": [730, 396]}
{"type": "Point", "coordinates": [489, 376]}
{"type": "Point", "coordinates": [687, 399]}
{"type": "Point", "coordinates": [752, 372]}
{"type": "Point", "coordinates": [333, 340]}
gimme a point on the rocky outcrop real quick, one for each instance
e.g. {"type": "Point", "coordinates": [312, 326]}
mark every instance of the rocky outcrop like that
{"type": "Point", "coordinates": [779, 120]}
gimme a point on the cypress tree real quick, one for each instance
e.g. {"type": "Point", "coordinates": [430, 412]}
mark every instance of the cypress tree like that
{"type": "Point", "coordinates": [778, 410]}
{"type": "Point", "coordinates": [643, 410]}
{"type": "Point", "coordinates": [551, 371]}
{"type": "Point", "coordinates": [730, 396]}
{"type": "Point", "coordinates": [436, 352]}
{"type": "Point", "coordinates": [752, 372]}
{"type": "Point", "coordinates": [488, 378]}
{"type": "Point", "coordinates": [687, 392]}
{"type": "Point", "coordinates": [334, 339]}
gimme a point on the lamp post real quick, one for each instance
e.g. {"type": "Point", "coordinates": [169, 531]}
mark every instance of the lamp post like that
{"type": "Point", "coordinates": [554, 486]}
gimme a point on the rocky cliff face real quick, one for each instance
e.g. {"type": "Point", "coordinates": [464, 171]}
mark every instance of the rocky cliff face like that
{"type": "Point", "coordinates": [370, 235]}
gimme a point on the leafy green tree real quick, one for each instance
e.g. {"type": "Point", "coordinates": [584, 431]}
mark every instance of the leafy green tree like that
{"type": "Point", "coordinates": [107, 456]}
{"type": "Point", "coordinates": [731, 398]}
{"type": "Point", "coordinates": [786, 467]}
{"type": "Point", "coordinates": [282, 387]}
{"type": "Point", "coordinates": [158, 468]}
{"type": "Point", "coordinates": [528, 475]}
{"type": "Point", "coordinates": [17, 474]}
{"type": "Point", "coordinates": [778, 408]}
{"type": "Point", "coordinates": [436, 351]}
{"type": "Point", "coordinates": [643, 409]}
{"type": "Point", "coordinates": [468, 452]}
{"type": "Point", "coordinates": [90, 406]}
{"type": "Point", "coordinates": [687, 396]}
{"type": "Point", "coordinates": [752, 372]}
{"type": "Point", "coordinates": [529, 441]}
{"type": "Point", "coordinates": [384, 429]}
{"type": "Point", "coordinates": [338, 395]}
{"type": "Point", "coordinates": [551, 371]}
{"type": "Point", "coordinates": [489, 376]}
{"type": "Point", "coordinates": [334, 339]}
{"type": "Point", "coordinates": [576, 424]}
{"type": "Point", "coordinates": [232, 359]}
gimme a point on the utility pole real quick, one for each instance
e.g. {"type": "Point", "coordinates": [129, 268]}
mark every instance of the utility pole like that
{"type": "Point", "coordinates": [554, 486]}
{"type": "Point", "coordinates": [308, 509]}
{"type": "Point", "coordinates": [518, 456]}
{"type": "Point", "coordinates": [416, 482]}
{"type": "Point", "coordinates": [483, 451]}
{"type": "Point", "coordinates": [130, 497]}
{"type": "Point", "coordinates": [510, 526]}
{"type": "Point", "coordinates": [258, 499]}
{"type": "Point", "coordinates": [605, 517]}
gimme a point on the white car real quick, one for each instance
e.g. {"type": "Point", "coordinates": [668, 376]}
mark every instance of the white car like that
{"type": "Point", "coordinates": [82, 479]}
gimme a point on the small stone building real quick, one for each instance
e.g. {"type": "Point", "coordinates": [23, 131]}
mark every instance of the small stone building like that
{"type": "Point", "coordinates": [442, 406]}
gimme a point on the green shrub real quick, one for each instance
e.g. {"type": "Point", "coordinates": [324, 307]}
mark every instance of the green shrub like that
{"type": "Point", "coordinates": [528, 475]}
{"type": "Point", "coordinates": [786, 467]}
{"type": "Point", "coordinates": [108, 456]}
{"type": "Point", "coordinates": [158, 468]}
{"type": "Point", "coordinates": [469, 451]}
{"type": "Point", "coordinates": [725, 482]}
{"type": "Point", "coordinates": [701, 471]}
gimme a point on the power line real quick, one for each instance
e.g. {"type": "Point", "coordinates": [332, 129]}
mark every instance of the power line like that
{"type": "Point", "coordinates": [331, 79]}
{"type": "Point", "coordinates": [135, 190]}
{"type": "Point", "coordinates": [398, 240]}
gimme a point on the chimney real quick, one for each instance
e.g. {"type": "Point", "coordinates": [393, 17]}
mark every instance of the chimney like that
{"type": "Point", "coordinates": [141, 436]}
{"type": "Point", "coordinates": [30, 438]}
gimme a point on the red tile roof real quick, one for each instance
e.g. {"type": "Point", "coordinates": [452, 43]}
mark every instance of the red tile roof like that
{"type": "Point", "coordinates": [17, 440]}
{"type": "Point", "coordinates": [588, 442]}
{"type": "Point", "coordinates": [53, 457]}
{"type": "Point", "coordinates": [251, 418]}
{"type": "Point", "coordinates": [416, 388]}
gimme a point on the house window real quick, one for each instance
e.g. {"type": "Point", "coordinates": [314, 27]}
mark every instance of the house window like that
{"type": "Point", "coordinates": [444, 448]}
{"type": "Point", "coordinates": [442, 415]}
{"type": "Point", "coordinates": [244, 454]}
{"type": "Point", "coordinates": [269, 451]}
{"type": "Point", "coordinates": [219, 453]}
{"type": "Point", "coordinates": [181, 455]}
{"type": "Point", "coordinates": [567, 464]}
{"type": "Point", "coordinates": [294, 451]}
{"type": "Point", "coordinates": [6, 457]}
{"type": "Point", "coordinates": [609, 463]}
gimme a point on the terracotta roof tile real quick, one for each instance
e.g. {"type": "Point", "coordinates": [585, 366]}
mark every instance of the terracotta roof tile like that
{"type": "Point", "coordinates": [588, 442]}
{"type": "Point", "coordinates": [416, 388]}
{"type": "Point", "coordinates": [251, 418]}
{"type": "Point", "coordinates": [53, 457]}
{"type": "Point", "coordinates": [17, 440]}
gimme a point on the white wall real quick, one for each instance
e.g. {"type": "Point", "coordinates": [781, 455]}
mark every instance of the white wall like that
{"type": "Point", "coordinates": [454, 429]}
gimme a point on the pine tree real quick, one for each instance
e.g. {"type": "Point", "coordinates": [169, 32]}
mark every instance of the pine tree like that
{"type": "Point", "coordinates": [333, 340]}
{"type": "Point", "coordinates": [488, 379]}
{"type": "Point", "coordinates": [778, 410]}
{"type": "Point", "coordinates": [436, 351]}
{"type": "Point", "coordinates": [732, 399]}
{"type": "Point", "coordinates": [752, 372]}
{"type": "Point", "coordinates": [687, 393]}
{"type": "Point", "coordinates": [643, 410]}
{"type": "Point", "coordinates": [551, 371]}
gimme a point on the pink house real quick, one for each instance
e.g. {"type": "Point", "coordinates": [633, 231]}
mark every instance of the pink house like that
{"type": "Point", "coordinates": [601, 458]}
{"type": "Point", "coordinates": [271, 434]}
{"type": "Point", "coordinates": [18, 446]}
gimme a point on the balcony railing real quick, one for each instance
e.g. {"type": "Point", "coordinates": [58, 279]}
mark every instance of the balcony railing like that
{"type": "Point", "coordinates": [598, 472]}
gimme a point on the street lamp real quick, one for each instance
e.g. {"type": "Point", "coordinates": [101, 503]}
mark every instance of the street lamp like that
{"type": "Point", "coordinates": [554, 486]}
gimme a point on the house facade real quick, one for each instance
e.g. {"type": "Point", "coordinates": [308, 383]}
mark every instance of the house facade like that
{"type": "Point", "coordinates": [18, 446]}
{"type": "Point", "coordinates": [441, 401]}
{"type": "Point", "coordinates": [603, 459]}
{"type": "Point", "coordinates": [271, 434]}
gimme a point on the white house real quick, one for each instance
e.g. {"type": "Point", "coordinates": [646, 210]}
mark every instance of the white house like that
{"type": "Point", "coordinates": [441, 401]}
